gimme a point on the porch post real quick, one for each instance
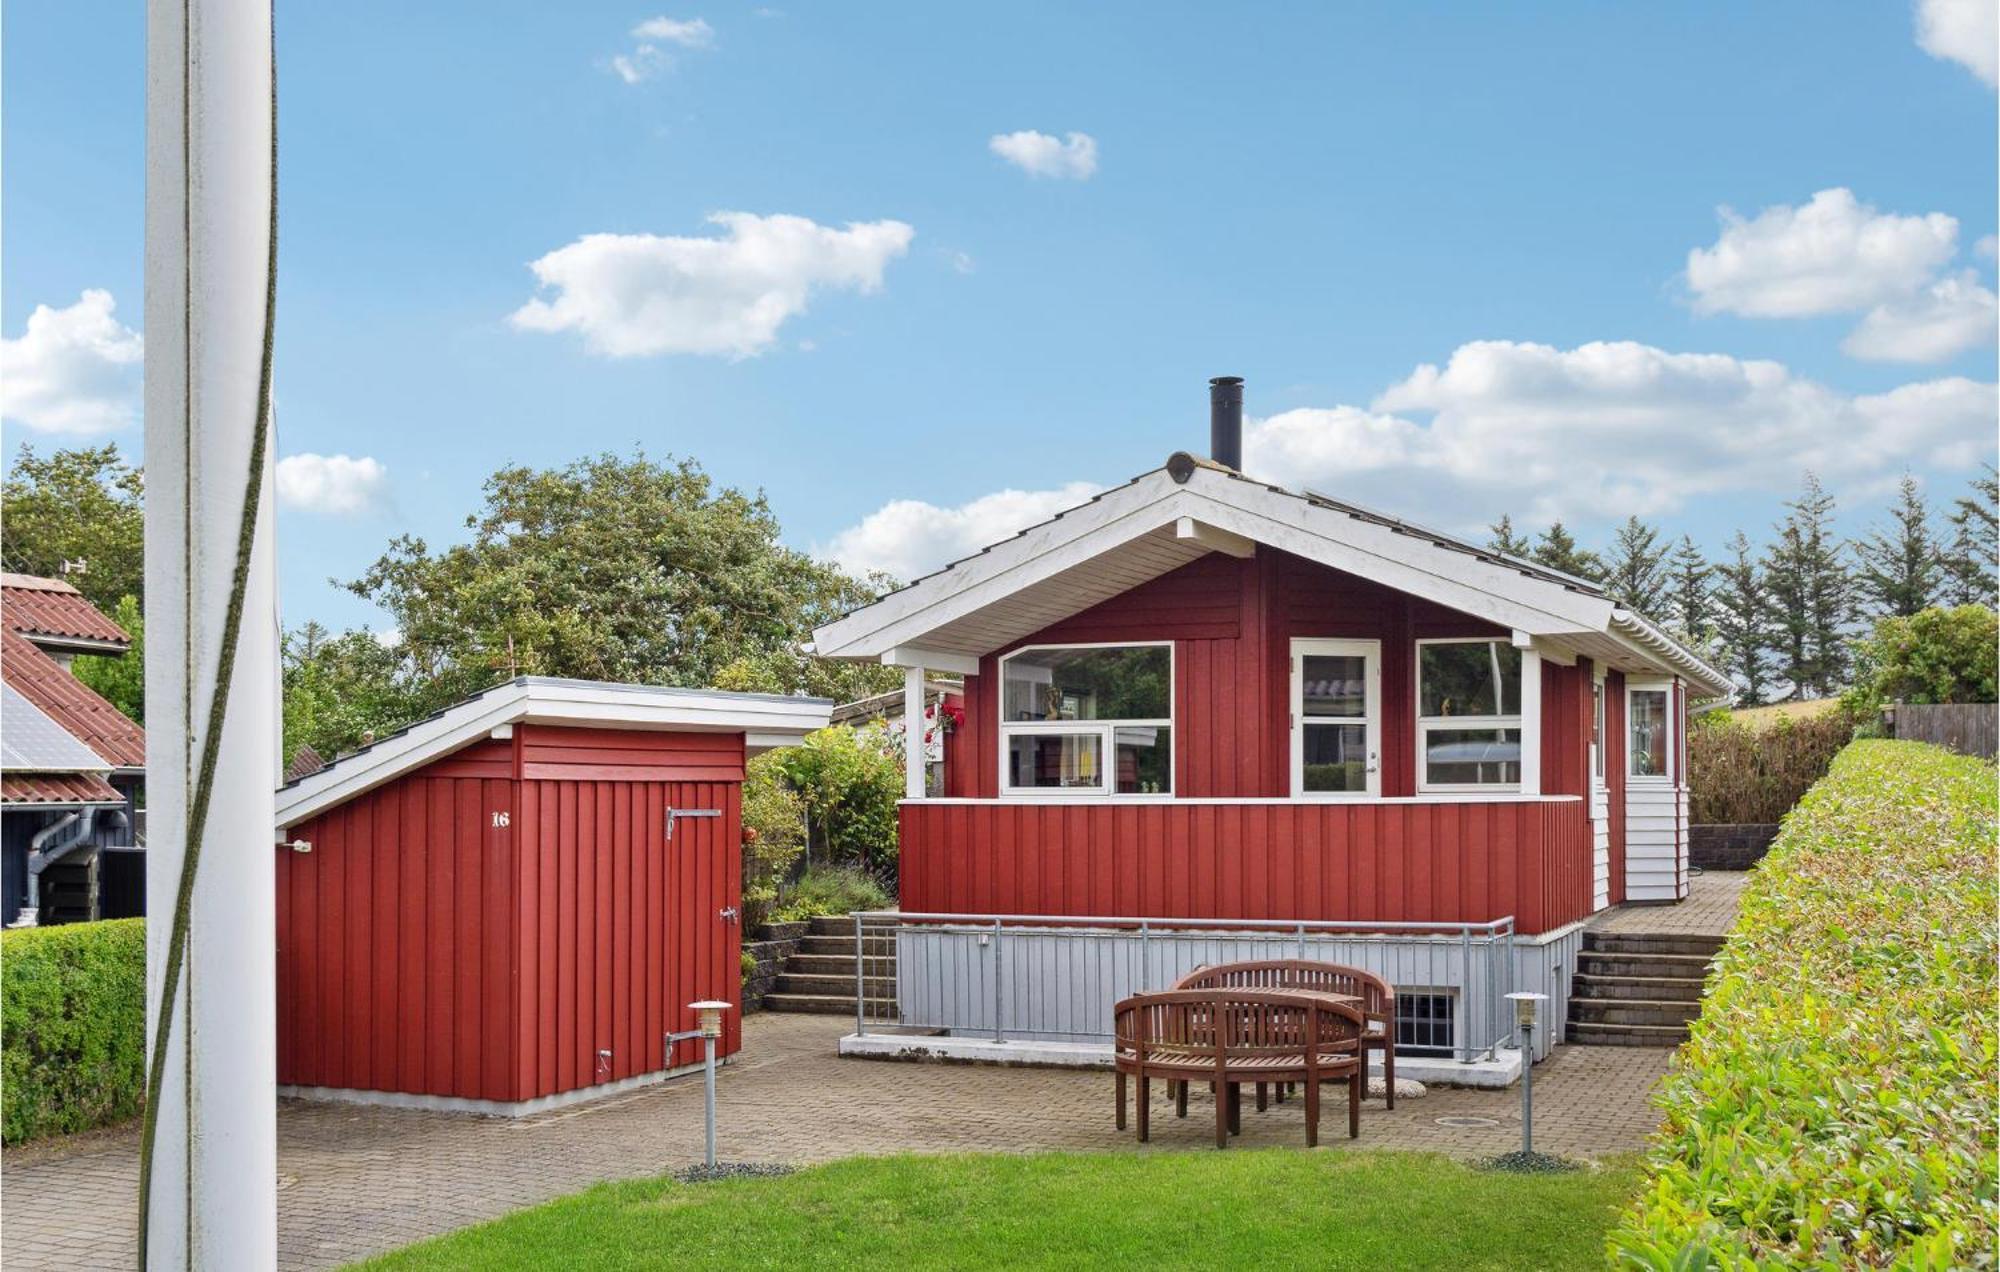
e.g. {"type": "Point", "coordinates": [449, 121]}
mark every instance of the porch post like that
{"type": "Point", "coordinates": [1531, 722]}
{"type": "Point", "coordinates": [913, 732]}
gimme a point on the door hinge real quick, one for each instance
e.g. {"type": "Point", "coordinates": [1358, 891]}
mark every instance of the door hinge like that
{"type": "Point", "coordinates": [675, 814]}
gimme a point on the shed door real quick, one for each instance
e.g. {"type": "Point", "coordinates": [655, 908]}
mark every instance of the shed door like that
{"type": "Point", "coordinates": [704, 933]}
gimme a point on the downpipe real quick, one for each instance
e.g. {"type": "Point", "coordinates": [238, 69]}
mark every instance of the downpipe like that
{"type": "Point", "coordinates": [51, 844]}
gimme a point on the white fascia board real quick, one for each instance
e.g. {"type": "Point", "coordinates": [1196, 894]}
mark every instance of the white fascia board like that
{"type": "Point", "coordinates": [569, 703]}
{"type": "Point", "coordinates": [931, 660]}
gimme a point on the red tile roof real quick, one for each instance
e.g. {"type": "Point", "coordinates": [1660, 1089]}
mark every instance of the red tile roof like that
{"type": "Point", "coordinates": [305, 763]}
{"type": "Point", "coordinates": [57, 788]}
{"type": "Point", "coordinates": [71, 703]}
{"type": "Point", "coordinates": [39, 607]}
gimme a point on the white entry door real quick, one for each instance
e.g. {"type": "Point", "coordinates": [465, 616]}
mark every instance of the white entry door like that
{"type": "Point", "coordinates": [1337, 719]}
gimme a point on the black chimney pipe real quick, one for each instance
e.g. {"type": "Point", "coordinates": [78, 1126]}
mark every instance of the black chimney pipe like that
{"type": "Point", "coordinates": [1225, 420]}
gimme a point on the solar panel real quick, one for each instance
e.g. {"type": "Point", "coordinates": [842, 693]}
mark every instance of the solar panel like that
{"type": "Point", "coordinates": [30, 741]}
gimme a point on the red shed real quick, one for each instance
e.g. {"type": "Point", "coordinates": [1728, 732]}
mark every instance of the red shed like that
{"type": "Point", "coordinates": [507, 905]}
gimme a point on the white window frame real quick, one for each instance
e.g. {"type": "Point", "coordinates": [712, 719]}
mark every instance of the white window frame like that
{"type": "Point", "coordinates": [1424, 723]}
{"type": "Point", "coordinates": [1666, 689]}
{"type": "Point", "coordinates": [1371, 654]}
{"type": "Point", "coordinates": [1105, 730]}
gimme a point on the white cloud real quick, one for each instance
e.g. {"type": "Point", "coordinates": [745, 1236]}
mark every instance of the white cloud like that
{"type": "Point", "coordinates": [1988, 246]}
{"type": "Point", "coordinates": [633, 295]}
{"type": "Point", "coordinates": [1962, 31]}
{"type": "Point", "coordinates": [332, 485]}
{"type": "Point", "coordinates": [908, 537]}
{"type": "Point", "coordinates": [75, 370]}
{"type": "Point", "coordinates": [1040, 155]}
{"type": "Point", "coordinates": [1833, 254]}
{"type": "Point", "coordinates": [1608, 429]}
{"type": "Point", "coordinates": [1952, 315]}
{"type": "Point", "coordinates": [647, 58]}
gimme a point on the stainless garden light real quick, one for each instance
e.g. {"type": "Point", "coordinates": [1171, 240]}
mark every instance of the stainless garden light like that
{"type": "Point", "coordinates": [1526, 1006]}
{"type": "Point", "coordinates": [708, 1027]}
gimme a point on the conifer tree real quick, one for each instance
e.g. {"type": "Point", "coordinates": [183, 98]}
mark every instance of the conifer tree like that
{"type": "Point", "coordinates": [1743, 627]}
{"type": "Point", "coordinates": [1900, 563]}
{"type": "Point", "coordinates": [1975, 541]}
{"type": "Point", "coordinates": [1559, 551]}
{"type": "Point", "coordinates": [1506, 542]}
{"type": "Point", "coordinates": [1635, 575]}
{"type": "Point", "coordinates": [1690, 597]}
{"type": "Point", "coordinates": [1810, 594]}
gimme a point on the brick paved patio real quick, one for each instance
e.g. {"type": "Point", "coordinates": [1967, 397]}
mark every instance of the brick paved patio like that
{"type": "Point", "coordinates": [355, 1181]}
{"type": "Point", "coordinates": [1709, 910]}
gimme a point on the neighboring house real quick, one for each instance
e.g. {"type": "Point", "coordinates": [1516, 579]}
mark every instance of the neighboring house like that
{"type": "Point", "coordinates": [1203, 697]}
{"type": "Point", "coordinates": [74, 767]}
{"type": "Point", "coordinates": [944, 705]}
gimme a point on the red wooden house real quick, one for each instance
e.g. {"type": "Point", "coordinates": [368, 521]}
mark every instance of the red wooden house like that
{"type": "Point", "coordinates": [510, 904]}
{"type": "Point", "coordinates": [1203, 697]}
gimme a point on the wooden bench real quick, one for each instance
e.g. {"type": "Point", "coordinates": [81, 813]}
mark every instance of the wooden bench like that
{"type": "Point", "coordinates": [1377, 997]}
{"type": "Point", "coordinates": [1228, 1037]}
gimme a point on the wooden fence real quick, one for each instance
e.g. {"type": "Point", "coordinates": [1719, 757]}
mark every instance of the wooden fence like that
{"type": "Point", "coordinates": [1970, 728]}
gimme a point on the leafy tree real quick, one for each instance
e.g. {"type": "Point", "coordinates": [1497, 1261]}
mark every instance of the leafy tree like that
{"type": "Point", "coordinates": [1635, 575]}
{"type": "Point", "coordinates": [1901, 563]}
{"type": "Point", "coordinates": [1559, 551]}
{"type": "Point", "coordinates": [850, 780]}
{"type": "Point", "coordinates": [85, 505]}
{"type": "Point", "coordinates": [1975, 542]}
{"type": "Point", "coordinates": [774, 834]}
{"type": "Point", "coordinates": [1811, 594]}
{"type": "Point", "coordinates": [1690, 599]}
{"type": "Point", "coordinates": [1506, 542]}
{"type": "Point", "coordinates": [121, 681]}
{"type": "Point", "coordinates": [611, 569]}
{"type": "Point", "coordinates": [342, 690]}
{"type": "Point", "coordinates": [1935, 655]}
{"type": "Point", "coordinates": [1743, 625]}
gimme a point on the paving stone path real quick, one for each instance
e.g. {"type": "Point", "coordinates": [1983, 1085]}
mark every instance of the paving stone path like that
{"type": "Point", "coordinates": [355, 1181]}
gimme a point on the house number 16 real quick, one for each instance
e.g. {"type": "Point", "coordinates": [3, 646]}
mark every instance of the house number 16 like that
{"type": "Point", "coordinates": [500, 819]}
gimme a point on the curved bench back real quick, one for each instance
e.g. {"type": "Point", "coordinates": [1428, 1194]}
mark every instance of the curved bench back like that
{"type": "Point", "coordinates": [1378, 999]}
{"type": "Point", "coordinates": [1230, 1024]}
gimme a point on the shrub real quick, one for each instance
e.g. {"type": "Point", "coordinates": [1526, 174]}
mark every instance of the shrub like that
{"type": "Point", "coordinates": [1934, 656]}
{"type": "Point", "coordinates": [1833, 1106]}
{"type": "Point", "coordinates": [850, 780]}
{"type": "Point", "coordinates": [1740, 774]}
{"type": "Point", "coordinates": [774, 834]}
{"type": "Point", "coordinates": [831, 890]}
{"type": "Point", "coordinates": [72, 1027]}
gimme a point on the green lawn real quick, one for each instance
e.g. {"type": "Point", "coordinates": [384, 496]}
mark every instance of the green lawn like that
{"type": "Point", "coordinates": [1278, 1208]}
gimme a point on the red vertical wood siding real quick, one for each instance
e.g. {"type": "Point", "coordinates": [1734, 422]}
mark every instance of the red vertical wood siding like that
{"type": "Point", "coordinates": [423, 948]}
{"type": "Point", "coordinates": [1458, 861]}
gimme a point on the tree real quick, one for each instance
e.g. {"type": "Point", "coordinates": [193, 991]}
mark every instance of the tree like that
{"type": "Point", "coordinates": [1975, 541]}
{"type": "Point", "coordinates": [1506, 542]}
{"type": "Point", "coordinates": [621, 569]}
{"type": "Point", "coordinates": [1557, 550]}
{"type": "Point", "coordinates": [83, 505]}
{"type": "Point", "coordinates": [1690, 599]}
{"type": "Point", "coordinates": [341, 691]}
{"type": "Point", "coordinates": [1743, 620]}
{"type": "Point", "coordinates": [1810, 593]}
{"type": "Point", "coordinates": [849, 780]}
{"type": "Point", "coordinates": [1635, 575]}
{"type": "Point", "coordinates": [1900, 564]}
{"type": "Point", "coordinates": [1935, 655]}
{"type": "Point", "coordinates": [121, 681]}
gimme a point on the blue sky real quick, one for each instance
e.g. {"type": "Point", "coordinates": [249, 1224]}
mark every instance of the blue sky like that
{"type": "Point", "coordinates": [913, 320]}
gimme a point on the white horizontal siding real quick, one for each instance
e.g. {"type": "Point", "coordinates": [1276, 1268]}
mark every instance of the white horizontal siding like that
{"type": "Point", "coordinates": [1655, 851]}
{"type": "Point", "coordinates": [1600, 856]}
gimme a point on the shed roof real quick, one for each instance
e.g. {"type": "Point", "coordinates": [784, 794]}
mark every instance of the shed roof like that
{"type": "Point", "coordinates": [51, 612]}
{"type": "Point", "coordinates": [58, 790]}
{"type": "Point", "coordinates": [32, 742]}
{"type": "Point", "coordinates": [766, 720]}
{"type": "Point", "coordinates": [1165, 518]}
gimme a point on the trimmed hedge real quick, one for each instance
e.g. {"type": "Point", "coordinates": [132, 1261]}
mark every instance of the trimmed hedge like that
{"type": "Point", "coordinates": [1739, 775]}
{"type": "Point", "coordinates": [1834, 1106]}
{"type": "Point", "coordinates": [72, 1027]}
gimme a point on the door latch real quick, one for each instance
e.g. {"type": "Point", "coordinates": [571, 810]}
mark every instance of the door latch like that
{"type": "Point", "coordinates": [729, 914]}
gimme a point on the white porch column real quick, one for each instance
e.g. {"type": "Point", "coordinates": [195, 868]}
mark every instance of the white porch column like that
{"type": "Point", "coordinates": [913, 732]}
{"type": "Point", "coordinates": [1531, 722]}
{"type": "Point", "coordinates": [209, 1191]}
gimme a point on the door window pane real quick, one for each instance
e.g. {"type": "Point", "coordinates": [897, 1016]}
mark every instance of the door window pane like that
{"type": "Point", "coordinates": [1336, 757]}
{"type": "Point", "coordinates": [1468, 757]}
{"type": "Point", "coordinates": [1134, 683]}
{"type": "Point", "coordinates": [1649, 733]}
{"type": "Point", "coordinates": [1476, 678]}
{"type": "Point", "coordinates": [1145, 758]}
{"type": "Point", "coordinates": [1335, 685]}
{"type": "Point", "coordinates": [1055, 761]}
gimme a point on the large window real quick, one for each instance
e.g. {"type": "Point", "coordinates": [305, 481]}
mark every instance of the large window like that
{"type": "Point", "coordinates": [1088, 720]}
{"type": "Point", "coordinates": [1468, 714]}
{"type": "Point", "coordinates": [1646, 712]}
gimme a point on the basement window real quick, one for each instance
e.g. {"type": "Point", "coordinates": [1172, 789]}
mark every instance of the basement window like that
{"type": "Point", "coordinates": [1425, 1020]}
{"type": "Point", "coordinates": [1087, 720]}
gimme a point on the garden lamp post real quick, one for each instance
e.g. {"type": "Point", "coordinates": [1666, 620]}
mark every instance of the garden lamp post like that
{"type": "Point", "coordinates": [708, 1017]}
{"type": "Point", "coordinates": [1526, 1005]}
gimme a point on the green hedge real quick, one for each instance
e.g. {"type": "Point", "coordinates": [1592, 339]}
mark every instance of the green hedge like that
{"type": "Point", "coordinates": [72, 1027]}
{"type": "Point", "coordinates": [1834, 1106]}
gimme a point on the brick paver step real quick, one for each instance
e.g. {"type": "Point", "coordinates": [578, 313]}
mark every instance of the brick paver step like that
{"type": "Point", "coordinates": [845, 944]}
{"type": "Point", "coordinates": [1631, 1011]}
{"type": "Point", "coordinates": [838, 965]}
{"type": "Point", "coordinates": [843, 925]}
{"type": "Point", "coordinates": [1652, 943]}
{"type": "Point", "coordinates": [1677, 966]}
{"type": "Point", "coordinates": [790, 982]}
{"type": "Point", "coordinates": [1654, 988]}
{"type": "Point", "coordinates": [1604, 1035]}
{"type": "Point", "coordinates": [811, 1004]}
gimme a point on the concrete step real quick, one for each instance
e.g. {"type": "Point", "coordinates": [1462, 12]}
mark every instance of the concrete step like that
{"type": "Point", "coordinates": [1630, 1011]}
{"type": "Point", "coordinates": [810, 1004]}
{"type": "Point", "coordinates": [839, 965]}
{"type": "Point", "coordinates": [1628, 1035]}
{"type": "Point", "coordinates": [790, 982]}
{"type": "Point", "coordinates": [1652, 988]}
{"type": "Point", "coordinates": [836, 945]}
{"type": "Point", "coordinates": [841, 925]}
{"type": "Point", "coordinates": [1652, 943]}
{"type": "Point", "coordinates": [1672, 966]}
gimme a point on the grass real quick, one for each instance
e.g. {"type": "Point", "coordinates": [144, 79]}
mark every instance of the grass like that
{"type": "Point", "coordinates": [1767, 716]}
{"type": "Point", "coordinates": [1269, 1208]}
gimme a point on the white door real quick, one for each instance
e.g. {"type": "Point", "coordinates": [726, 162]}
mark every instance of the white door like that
{"type": "Point", "coordinates": [1337, 719]}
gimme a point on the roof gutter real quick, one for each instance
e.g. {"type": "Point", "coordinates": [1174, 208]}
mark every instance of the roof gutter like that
{"type": "Point", "coordinates": [50, 844]}
{"type": "Point", "coordinates": [1641, 631]}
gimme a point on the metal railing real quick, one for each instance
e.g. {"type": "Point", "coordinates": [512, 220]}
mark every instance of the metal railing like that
{"type": "Point", "coordinates": [1027, 977]}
